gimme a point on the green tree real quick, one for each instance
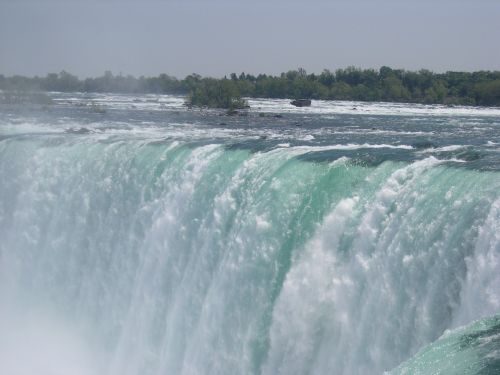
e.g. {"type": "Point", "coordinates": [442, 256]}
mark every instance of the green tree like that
{"type": "Point", "coordinates": [215, 93]}
{"type": "Point", "coordinates": [488, 93]}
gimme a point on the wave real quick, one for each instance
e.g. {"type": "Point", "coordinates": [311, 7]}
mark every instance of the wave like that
{"type": "Point", "coordinates": [470, 350]}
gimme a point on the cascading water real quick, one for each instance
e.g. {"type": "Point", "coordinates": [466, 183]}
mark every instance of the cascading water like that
{"type": "Point", "coordinates": [135, 247]}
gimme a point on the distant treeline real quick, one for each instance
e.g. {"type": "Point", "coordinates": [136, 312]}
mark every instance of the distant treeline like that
{"type": "Point", "coordinates": [385, 84]}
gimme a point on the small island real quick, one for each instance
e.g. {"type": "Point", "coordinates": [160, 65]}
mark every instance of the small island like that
{"type": "Point", "coordinates": [213, 93]}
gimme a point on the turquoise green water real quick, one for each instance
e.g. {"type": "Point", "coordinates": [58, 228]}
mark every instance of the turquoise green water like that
{"type": "Point", "coordinates": [469, 350]}
{"type": "Point", "coordinates": [140, 254]}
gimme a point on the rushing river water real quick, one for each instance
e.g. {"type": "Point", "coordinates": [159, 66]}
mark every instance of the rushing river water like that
{"type": "Point", "coordinates": [138, 237]}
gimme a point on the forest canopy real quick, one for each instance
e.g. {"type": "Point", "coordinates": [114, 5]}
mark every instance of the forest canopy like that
{"type": "Point", "coordinates": [385, 84]}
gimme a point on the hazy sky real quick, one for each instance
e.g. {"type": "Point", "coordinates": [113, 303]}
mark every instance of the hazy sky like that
{"type": "Point", "coordinates": [219, 37]}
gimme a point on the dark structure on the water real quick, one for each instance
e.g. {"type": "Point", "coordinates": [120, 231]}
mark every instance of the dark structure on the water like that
{"type": "Point", "coordinates": [301, 102]}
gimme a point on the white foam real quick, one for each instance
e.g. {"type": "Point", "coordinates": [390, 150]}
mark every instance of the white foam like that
{"type": "Point", "coordinates": [351, 146]}
{"type": "Point", "coordinates": [445, 148]}
{"type": "Point", "coordinates": [332, 107]}
{"type": "Point", "coordinates": [481, 292]}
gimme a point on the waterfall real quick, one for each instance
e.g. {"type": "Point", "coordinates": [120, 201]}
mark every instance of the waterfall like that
{"type": "Point", "coordinates": [175, 257]}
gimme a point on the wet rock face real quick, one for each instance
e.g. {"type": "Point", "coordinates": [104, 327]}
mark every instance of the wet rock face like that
{"type": "Point", "coordinates": [301, 102]}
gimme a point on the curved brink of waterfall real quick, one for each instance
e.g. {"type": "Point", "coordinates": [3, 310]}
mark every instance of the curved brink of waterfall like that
{"type": "Point", "coordinates": [145, 257]}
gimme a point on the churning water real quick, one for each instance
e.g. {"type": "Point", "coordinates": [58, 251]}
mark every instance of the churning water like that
{"type": "Point", "coordinates": [344, 238]}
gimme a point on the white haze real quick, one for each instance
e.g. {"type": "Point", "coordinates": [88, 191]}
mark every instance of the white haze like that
{"type": "Point", "coordinates": [219, 37]}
